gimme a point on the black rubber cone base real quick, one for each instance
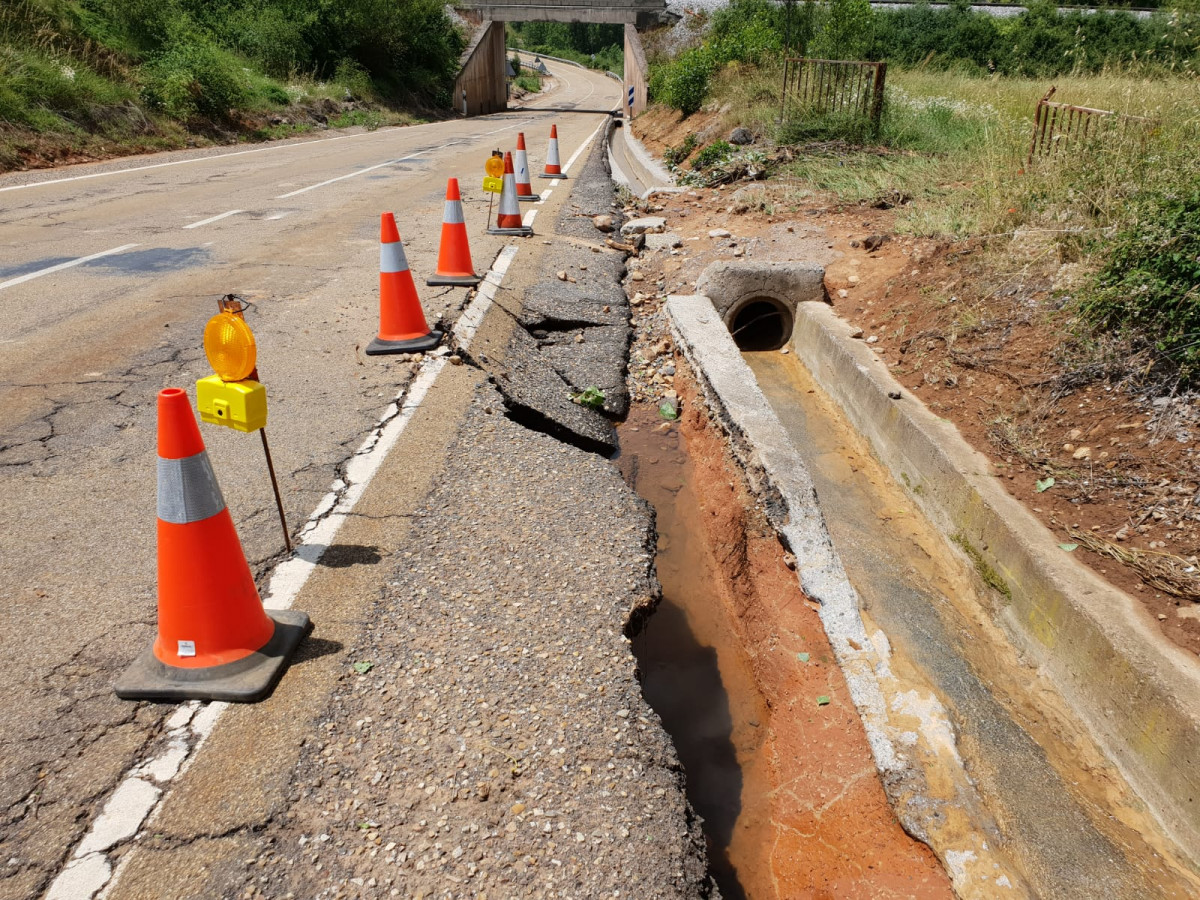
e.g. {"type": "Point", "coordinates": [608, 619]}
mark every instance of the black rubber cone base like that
{"type": "Point", "coordinates": [456, 280]}
{"type": "Point", "coordinates": [523, 231]}
{"type": "Point", "coordinates": [544, 175]}
{"type": "Point", "coordinates": [379, 346]}
{"type": "Point", "coordinates": [532, 199]}
{"type": "Point", "coordinates": [244, 681]}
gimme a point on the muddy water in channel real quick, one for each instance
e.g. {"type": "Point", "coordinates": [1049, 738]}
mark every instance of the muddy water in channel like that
{"type": "Point", "coordinates": [694, 671]}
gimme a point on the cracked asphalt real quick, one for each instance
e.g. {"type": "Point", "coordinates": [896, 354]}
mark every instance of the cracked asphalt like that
{"type": "Point", "coordinates": [466, 719]}
{"type": "Point", "coordinates": [86, 349]}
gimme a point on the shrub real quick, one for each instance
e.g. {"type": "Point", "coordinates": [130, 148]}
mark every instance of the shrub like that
{"type": "Point", "coordinates": [715, 153]}
{"type": "Point", "coordinates": [683, 83]}
{"type": "Point", "coordinates": [194, 79]}
{"type": "Point", "coordinates": [1150, 285]}
{"type": "Point", "coordinates": [673, 156]}
{"type": "Point", "coordinates": [845, 30]}
{"type": "Point", "coordinates": [354, 79]}
{"type": "Point", "coordinates": [528, 82]}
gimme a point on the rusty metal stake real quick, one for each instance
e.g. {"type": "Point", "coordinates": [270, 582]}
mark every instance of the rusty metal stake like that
{"type": "Point", "coordinates": [287, 538]}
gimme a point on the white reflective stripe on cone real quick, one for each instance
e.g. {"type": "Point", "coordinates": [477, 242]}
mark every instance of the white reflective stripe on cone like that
{"type": "Point", "coordinates": [453, 214]}
{"type": "Point", "coordinates": [392, 258]}
{"type": "Point", "coordinates": [188, 490]}
{"type": "Point", "coordinates": [508, 197]}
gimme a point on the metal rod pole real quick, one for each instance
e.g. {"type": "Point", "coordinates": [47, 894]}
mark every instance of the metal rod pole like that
{"type": "Point", "coordinates": [287, 538]}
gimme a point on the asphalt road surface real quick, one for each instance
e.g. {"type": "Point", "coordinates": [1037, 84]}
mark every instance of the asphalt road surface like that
{"type": "Point", "coordinates": [108, 273]}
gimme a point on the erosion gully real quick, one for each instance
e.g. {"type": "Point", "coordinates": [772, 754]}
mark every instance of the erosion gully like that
{"type": "Point", "coordinates": [736, 664]}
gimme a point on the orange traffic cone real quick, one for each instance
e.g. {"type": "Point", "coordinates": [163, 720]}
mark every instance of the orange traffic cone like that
{"type": "Point", "coordinates": [553, 169]}
{"type": "Point", "coordinates": [508, 221]}
{"type": "Point", "coordinates": [402, 327]}
{"type": "Point", "coordinates": [521, 171]}
{"type": "Point", "coordinates": [215, 641]}
{"type": "Point", "coordinates": [454, 253]}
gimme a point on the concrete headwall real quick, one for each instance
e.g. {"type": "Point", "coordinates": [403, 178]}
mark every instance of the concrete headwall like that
{"type": "Point", "coordinates": [481, 87]}
{"type": "Point", "coordinates": [636, 73]}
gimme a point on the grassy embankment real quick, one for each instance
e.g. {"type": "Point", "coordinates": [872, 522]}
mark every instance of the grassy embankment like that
{"type": "Point", "coordinates": [86, 79]}
{"type": "Point", "coordinates": [954, 140]}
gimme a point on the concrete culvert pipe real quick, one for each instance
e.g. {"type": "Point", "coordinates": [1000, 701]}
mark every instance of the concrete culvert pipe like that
{"type": "Point", "coordinates": [760, 323]}
{"type": "Point", "coordinates": [757, 300]}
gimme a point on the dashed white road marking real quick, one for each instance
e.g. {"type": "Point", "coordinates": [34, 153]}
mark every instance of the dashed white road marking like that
{"type": "Point", "coordinates": [529, 217]}
{"type": "Point", "coordinates": [66, 265]}
{"type": "Point", "coordinates": [211, 219]}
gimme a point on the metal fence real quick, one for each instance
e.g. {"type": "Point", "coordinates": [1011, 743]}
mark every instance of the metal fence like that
{"type": "Point", "coordinates": [1059, 124]}
{"type": "Point", "coordinates": [823, 86]}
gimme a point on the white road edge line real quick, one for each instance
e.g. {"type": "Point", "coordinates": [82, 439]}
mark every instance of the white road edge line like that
{"type": "Point", "coordinates": [583, 146]}
{"type": "Point", "coordinates": [209, 221]}
{"type": "Point", "coordinates": [74, 262]}
{"type": "Point", "coordinates": [137, 799]}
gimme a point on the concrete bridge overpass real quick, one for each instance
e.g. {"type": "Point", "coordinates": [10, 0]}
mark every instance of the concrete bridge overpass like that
{"type": "Point", "coordinates": [481, 87]}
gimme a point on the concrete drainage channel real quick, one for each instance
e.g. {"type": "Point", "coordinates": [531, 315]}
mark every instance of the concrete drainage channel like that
{"type": "Point", "coordinates": [982, 758]}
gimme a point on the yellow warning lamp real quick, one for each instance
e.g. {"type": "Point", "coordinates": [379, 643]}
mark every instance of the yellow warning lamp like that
{"type": "Point", "coordinates": [231, 397]}
{"type": "Point", "coordinates": [494, 165]}
{"type": "Point", "coordinates": [229, 346]}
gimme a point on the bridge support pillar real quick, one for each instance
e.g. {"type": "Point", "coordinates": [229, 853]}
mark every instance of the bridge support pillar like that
{"type": "Point", "coordinates": [636, 72]}
{"type": "Point", "coordinates": [481, 86]}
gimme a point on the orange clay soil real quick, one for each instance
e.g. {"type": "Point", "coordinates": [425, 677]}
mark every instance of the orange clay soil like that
{"type": "Point", "coordinates": [828, 830]}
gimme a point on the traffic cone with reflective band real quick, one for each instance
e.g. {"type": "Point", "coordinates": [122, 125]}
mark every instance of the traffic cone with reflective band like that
{"type": "Point", "coordinates": [402, 326]}
{"type": "Point", "coordinates": [521, 171]}
{"type": "Point", "coordinates": [508, 221]}
{"type": "Point", "coordinates": [454, 253]}
{"type": "Point", "coordinates": [215, 640]}
{"type": "Point", "coordinates": [553, 169]}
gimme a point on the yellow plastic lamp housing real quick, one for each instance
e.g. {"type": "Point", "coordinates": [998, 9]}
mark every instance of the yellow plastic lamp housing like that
{"type": "Point", "coordinates": [241, 405]}
{"type": "Point", "coordinates": [229, 345]}
{"type": "Point", "coordinates": [494, 167]}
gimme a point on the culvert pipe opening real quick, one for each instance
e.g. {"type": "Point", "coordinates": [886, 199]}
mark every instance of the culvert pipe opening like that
{"type": "Point", "coordinates": [760, 323]}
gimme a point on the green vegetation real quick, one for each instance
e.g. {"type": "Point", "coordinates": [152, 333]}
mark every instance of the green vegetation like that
{"type": "Point", "coordinates": [675, 156]}
{"type": "Point", "coordinates": [1037, 43]}
{"type": "Point", "coordinates": [528, 81]}
{"type": "Point", "coordinates": [1150, 284]}
{"type": "Point", "coordinates": [594, 46]}
{"type": "Point", "coordinates": [94, 77]}
{"type": "Point", "coordinates": [951, 150]}
{"type": "Point", "coordinates": [983, 568]}
{"type": "Point", "coordinates": [715, 153]}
